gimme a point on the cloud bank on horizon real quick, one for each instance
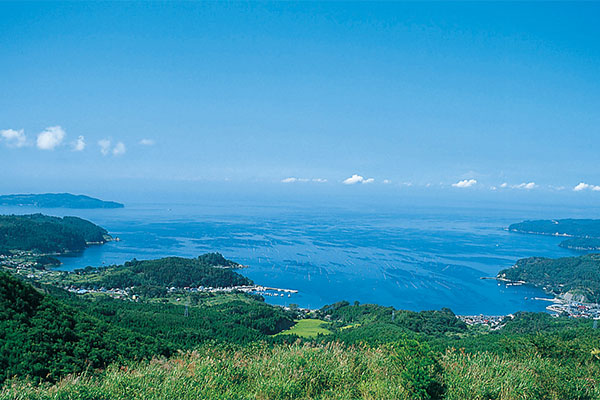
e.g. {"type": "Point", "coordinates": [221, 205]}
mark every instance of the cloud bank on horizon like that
{"type": "Point", "coordinates": [53, 137]}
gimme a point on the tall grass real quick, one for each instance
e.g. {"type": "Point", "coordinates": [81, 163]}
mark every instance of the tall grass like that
{"type": "Point", "coordinates": [295, 371]}
{"type": "Point", "coordinates": [490, 376]}
{"type": "Point", "coordinates": [331, 371]}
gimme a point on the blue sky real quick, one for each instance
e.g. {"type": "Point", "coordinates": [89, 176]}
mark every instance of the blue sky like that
{"type": "Point", "coordinates": [497, 100]}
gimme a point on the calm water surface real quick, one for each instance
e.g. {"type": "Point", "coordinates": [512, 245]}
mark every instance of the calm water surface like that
{"type": "Point", "coordinates": [411, 258]}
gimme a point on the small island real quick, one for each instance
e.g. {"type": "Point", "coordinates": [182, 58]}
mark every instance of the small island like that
{"type": "Point", "coordinates": [582, 234]}
{"type": "Point", "coordinates": [56, 200]}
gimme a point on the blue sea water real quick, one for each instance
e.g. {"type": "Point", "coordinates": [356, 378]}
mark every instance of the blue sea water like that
{"type": "Point", "coordinates": [415, 258]}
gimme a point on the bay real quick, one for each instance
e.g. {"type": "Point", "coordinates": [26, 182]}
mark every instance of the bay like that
{"type": "Point", "coordinates": [414, 258]}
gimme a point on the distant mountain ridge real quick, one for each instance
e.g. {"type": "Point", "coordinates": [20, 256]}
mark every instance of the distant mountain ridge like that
{"type": "Point", "coordinates": [56, 200]}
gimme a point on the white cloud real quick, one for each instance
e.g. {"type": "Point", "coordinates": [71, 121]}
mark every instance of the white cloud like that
{"type": "Point", "coordinates": [353, 179]}
{"type": "Point", "coordinates": [465, 183]}
{"type": "Point", "coordinates": [357, 179]}
{"type": "Point", "coordinates": [293, 179]}
{"type": "Point", "coordinates": [504, 185]}
{"type": "Point", "coordinates": [147, 142]}
{"type": "Point", "coordinates": [119, 149]}
{"type": "Point", "coordinates": [524, 185]}
{"type": "Point", "coordinates": [50, 138]}
{"type": "Point", "coordinates": [104, 146]}
{"type": "Point", "coordinates": [493, 188]}
{"type": "Point", "coordinates": [585, 186]}
{"type": "Point", "coordinates": [14, 138]}
{"type": "Point", "coordinates": [79, 144]}
{"type": "Point", "coordinates": [387, 181]}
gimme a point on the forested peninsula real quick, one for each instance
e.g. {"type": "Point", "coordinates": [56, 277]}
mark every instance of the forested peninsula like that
{"type": "Point", "coordinates": [573, 278]}
{"type": "Point", "coordinates": [44, 234]}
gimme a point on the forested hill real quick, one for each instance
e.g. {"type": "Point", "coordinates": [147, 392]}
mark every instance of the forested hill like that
{"type": "Point", "coordinates": [46, 234]}
{"type": "Point", "coordinates": [584, 234]}
{"type": "Point", "coordinates": [56, 200]}
{"type": "Point", "coordinates": [578, 276]}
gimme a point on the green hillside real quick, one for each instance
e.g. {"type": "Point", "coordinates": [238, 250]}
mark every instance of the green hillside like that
{"type": "Point", "coordinates": [44, 338]}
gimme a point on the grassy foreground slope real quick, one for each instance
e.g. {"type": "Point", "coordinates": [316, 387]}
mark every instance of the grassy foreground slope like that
{"type": "Point", "coordinates": [405, 370]}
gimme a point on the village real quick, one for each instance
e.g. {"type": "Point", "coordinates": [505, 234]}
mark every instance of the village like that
{"type": "Point", "coordinates": [575, 309]}
{"type": "Point", "coordinates": [494, 322]}
{"type": "Point", "coordinates": [126, 293]}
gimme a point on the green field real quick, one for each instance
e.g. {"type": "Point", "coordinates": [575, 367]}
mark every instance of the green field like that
{"type": "Point", "coordinates": [307, 328]}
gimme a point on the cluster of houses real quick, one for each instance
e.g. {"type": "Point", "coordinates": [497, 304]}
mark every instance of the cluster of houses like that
{"type": "Point", "coordinates": [18, 259]}
{"type": "Point", "coordinates": [493, 321]}
{"type": "Point", "coordinates": [576, 310]}
{"type": "Point", "coordinates": [116, 293]}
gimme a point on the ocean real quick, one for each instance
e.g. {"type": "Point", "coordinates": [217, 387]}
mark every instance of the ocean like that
{"type": "Point", "coordinates": [415, 258]}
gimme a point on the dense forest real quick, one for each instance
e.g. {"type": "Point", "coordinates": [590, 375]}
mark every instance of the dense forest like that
{"type": "Point", "coordinates": [46, 234]}
{"type": "Point", "coordinates": [56, 200]}
{"type": "Point", "coordinates": [577, 275]}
